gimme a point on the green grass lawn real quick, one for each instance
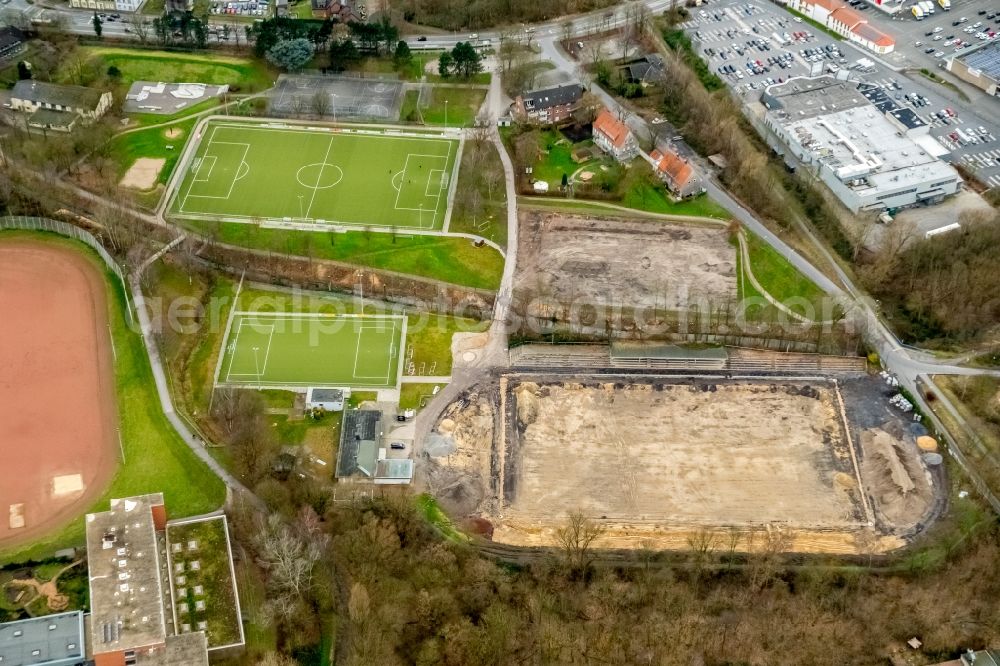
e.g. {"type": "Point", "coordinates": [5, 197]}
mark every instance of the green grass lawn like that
{"type": "Point", "coordinates": [152, 142]}
{"type": "Point", "coordinates": [156, 459]}
{"type": "Point", "coordinates": [412, 396]}
{"type": "Point", "coordinates": [782, 280]}
{"type": "Point", "coordinates": [461, 109]}
{"type": "Point", "coordinates": [268, 349]}
{"type": "Point", "coordinates": [454, 260]}
{"type": "Point", "coordinates": [214, 575]}
{"type": "Point", "coordinates": [654, 199]}
{"type": "Point", "coordinates": [557, 158]}
{"type": "Point", "coordinates": [241, 74]}
{"type": "Point", "coordinates": [250, 171]}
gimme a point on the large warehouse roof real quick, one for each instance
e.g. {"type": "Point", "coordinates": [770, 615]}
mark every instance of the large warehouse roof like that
{"type": "Point", "coordinates": [986, 59]}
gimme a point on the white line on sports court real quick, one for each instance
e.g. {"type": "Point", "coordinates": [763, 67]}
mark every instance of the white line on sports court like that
{"type": "Point", "coordinates": [319, 177]}
{"type": "Point", "coordinates": [267, 352]}
{"type": "Point", "coordinates": [236, 346]}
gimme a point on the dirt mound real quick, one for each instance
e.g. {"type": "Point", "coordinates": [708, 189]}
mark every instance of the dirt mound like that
{"type": "Point", "coordinates": [527, 403]}
{"type": "Point", "coordinates": [459, 454]}
{"type": "Point", "coordinates": [895, 477]}
{"type": "Point", "coordinates": [927, 443]}
{"type": "Point", "coordinates": [845, 481]}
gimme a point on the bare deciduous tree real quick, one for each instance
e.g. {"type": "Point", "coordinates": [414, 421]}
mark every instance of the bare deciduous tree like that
{"type": "Point", "coordinates": [576, 539]}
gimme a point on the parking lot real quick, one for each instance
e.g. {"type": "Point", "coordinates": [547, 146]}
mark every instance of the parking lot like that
{"type": "Point", "coordinates": [751, 45]}
{"type": "Point", "coordinates": [916, 48]}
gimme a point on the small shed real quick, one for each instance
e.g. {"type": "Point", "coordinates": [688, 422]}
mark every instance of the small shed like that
{"type": "Point", "coordinates": [330, 399]}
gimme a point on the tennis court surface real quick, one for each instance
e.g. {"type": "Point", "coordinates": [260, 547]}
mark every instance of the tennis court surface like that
{"type": "Point", "coordinates": [297, 350]}
{"type": "Point", "coordinates": [247, 171]}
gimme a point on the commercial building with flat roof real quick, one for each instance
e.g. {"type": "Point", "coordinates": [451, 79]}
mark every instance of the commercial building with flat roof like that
{"type": "Point", "coordinates": [978, 65]}
{"type": "Point", "coordinates": [51, 640]}
{"type": "Point", "coordinates": [130, 590]}
{"type": "Point", "coordinates": [864, 152]}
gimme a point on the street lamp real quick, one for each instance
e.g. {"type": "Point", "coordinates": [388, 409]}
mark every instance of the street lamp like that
{"type": "Point", "coordinates": [302, 215]}
{"type": "Point", "coordinates": [256, 362]}
{"type": "Point", "coordinates": [446, 113]}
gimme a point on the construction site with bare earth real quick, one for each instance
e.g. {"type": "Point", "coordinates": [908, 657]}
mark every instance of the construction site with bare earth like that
{"type": "Point", "coordinates": [825, 462]}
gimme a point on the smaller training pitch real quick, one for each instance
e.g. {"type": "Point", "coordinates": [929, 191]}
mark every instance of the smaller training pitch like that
{"type": "Point", "coordinates": [243, 171]}
{"type": "Point", "coordinates": [296, 350]}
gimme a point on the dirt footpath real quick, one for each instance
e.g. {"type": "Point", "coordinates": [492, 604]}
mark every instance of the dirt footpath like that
{"type": "Point", "coordinates": [604, 261]}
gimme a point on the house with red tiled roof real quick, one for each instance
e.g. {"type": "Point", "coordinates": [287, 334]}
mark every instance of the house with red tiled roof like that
{"type": "Point", "coordinates": [679, 175]}
{"type": "Point", "coordinates": [614, 137]}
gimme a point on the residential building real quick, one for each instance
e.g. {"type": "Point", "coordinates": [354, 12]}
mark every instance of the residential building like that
{"type": "Point", "coordinates": [646, 71]}
{"type": "Point", "coordinates": [614, 137]}
{"type": "Point", "coordinates": [853, 141]}
{"type": "Point", "coordinates": [677, 172]}
{"type": "Point", "coordinates": [281, 8]}
{"type": "Point", "coordinates": [362, 456]}
{"type": "Point", "coordinates": [12, 42]}
{"type": "Point", "coordinates": [50, 640]}
{"type": "Point", "coordinates": [550, 105]}
{"type": "Point", "coordinates": [343, 11]}
{"type": "Point", "coordinates": [978, 65]}
{"type": "Point", "coordinates": [131, 595]}
{"type": "Point", "coordinates": [845, 21]}
{"type": "Point", "coordinates": [58, 107]}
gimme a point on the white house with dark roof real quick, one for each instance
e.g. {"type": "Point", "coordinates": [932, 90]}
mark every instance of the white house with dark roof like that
{"type": "Point", "coordinates": [58, 107]}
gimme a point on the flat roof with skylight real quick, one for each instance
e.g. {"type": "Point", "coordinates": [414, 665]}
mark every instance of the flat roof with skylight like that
{"type": "Point", "coordinates": [126, 591]}
{"type": "Point", "coordinates": [51, 640]}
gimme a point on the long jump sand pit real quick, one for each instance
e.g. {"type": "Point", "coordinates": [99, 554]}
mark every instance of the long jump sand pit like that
{"type": "Point", "coordinates": [143, 173]}
{"type": "Point", "coordinates": [573, 259]}
{"type": "Point", "coordinates": [57, 400]}
{"type": "Point", "coordinates": [656, 461]}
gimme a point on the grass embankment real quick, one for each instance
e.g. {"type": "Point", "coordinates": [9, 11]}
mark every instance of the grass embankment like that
{"type": "Point", "coordinates": [240, 74]}
{"type": "Point", "coordinates": [780, 279]}
{"type": "Point", "coordinates": [453, 260]}
{"type": "Point", "coordinates": [434, 515]}
{"type": "Point", "coordinates": [156, 459]}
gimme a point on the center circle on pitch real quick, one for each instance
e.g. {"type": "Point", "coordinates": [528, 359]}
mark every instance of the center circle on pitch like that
{"type": "Point", "coordinates": [319, 175]}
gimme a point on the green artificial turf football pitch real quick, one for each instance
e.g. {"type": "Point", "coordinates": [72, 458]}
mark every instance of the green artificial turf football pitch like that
{"type": "Point", "coordinates": [296, 349]}
{"type": "Point", "coordinates": [247, 171]}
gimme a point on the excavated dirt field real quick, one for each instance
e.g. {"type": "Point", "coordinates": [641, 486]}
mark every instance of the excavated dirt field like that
{"type": "Point", "coordinates": [659, 463]}
{"type": "Point", "coordinates": [604, 261]}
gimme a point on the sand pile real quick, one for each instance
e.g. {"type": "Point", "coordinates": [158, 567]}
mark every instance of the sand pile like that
{"type": "Point", "coordinates": [527, 403]}
{"type": "Point", "coordinates": [895, 477]}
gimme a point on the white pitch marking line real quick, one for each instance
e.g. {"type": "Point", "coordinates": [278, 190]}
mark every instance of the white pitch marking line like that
{"type": "Point", "coordinates": [236, 348]}
{"type": "Point", "coordinates": [319, 177]}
